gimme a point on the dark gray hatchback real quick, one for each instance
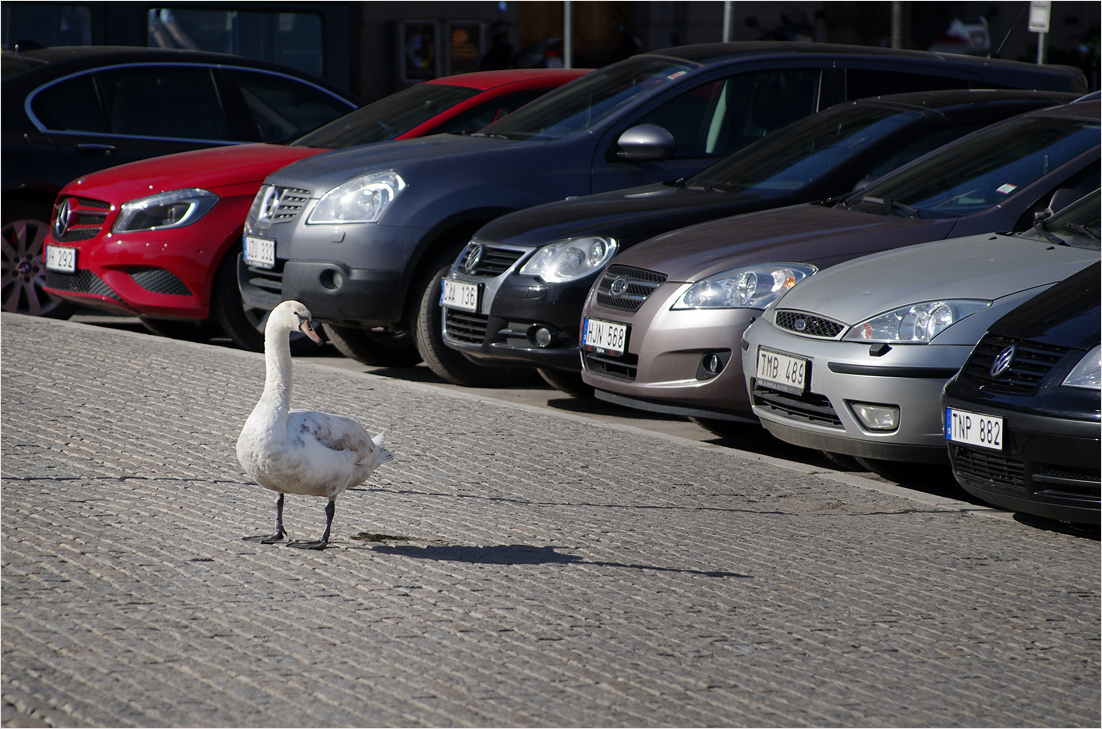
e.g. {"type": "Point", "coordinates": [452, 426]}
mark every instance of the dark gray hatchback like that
{"type": "Point", "coordinates": [364, 236]}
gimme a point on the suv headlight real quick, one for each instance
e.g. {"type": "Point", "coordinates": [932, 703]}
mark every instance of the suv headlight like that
{"type": "Point", "coordinates": [1088, 373]}
{"type": "Point", "coordinates": [569, 260]}
{"type": "Point", "coordinates": [172, 209]}
{"type": "Point", "coordinates": [916, 324]}
{"type": "Point", "coordinates": [362, 200]}
{"type": "Point", "coordinates": [748, 287]}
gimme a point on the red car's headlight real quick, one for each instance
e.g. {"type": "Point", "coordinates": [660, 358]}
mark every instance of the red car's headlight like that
{"type": "Point", "coordinates": [172, 209]}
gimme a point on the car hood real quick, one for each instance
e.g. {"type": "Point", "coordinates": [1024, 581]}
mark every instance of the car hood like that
{"type": "Point", "coordinates": [441, 151]}
{"type": "Point", "coordinates": [1066, 315]}
{"type": "Point", "coordinates": [217, 167]}
{"type": "Point", "coordinates": [629, 215]}
{"type": "Point", "coordinates": [809, 233]}
{"type": "Point", "coordinates": [988, 266]}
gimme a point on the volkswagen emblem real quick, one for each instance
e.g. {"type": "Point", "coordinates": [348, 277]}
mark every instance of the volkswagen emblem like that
{"type": "Point", "coordinates": [63, 219]}
{"type": "Point", "coordinates": [1002, 362]}
{"type": "Point", "coordinates": [800, 325]}
{"type": "Point", "coordinates": [618, 286]}
{"type": "Point", "coordinates": [471, 258]}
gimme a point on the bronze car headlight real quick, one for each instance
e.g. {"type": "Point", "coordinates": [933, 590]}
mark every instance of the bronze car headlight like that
{"type": "Point", "coordinates": [569, 260]}
{"type": "Point", "coordinates": [172, 209]}
{"type": "Point", "coordinates": [914, 324]}
{"type": "Point", "coordinates": [748, 287]}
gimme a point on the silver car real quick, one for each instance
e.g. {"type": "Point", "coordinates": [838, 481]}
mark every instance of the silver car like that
{"type": "Point", "coordinates": [853, 360]}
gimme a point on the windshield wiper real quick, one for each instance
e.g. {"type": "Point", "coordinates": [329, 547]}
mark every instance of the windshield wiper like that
{"type": "Point", "coordinates": [1084, 230]}
{"type": "Point", "coordinates": [1041, 230]}
{"type": "Point", "coordinates": [906, 210]}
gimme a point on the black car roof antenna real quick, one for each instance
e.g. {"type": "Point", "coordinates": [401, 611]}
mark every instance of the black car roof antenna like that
{"type": "Point", "coordinates": [999, 50]}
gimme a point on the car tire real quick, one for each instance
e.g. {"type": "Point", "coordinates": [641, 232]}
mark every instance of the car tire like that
{"type": "Point", "coordinates": [450, 364]}
{"type": "Point", "coordinates": [244, 326]}
{"type": "Point", "coordinates": [372, 347]}
{"type": "Point", "coordinates": [25, 224]}
{"type": "Point", "coordinates": [569, 382]}
{"type": "Point", "coordinates": [906, 473]}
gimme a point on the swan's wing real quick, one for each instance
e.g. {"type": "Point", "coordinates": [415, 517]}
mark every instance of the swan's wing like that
{"type": "Point", "coordinates": [335, 432]}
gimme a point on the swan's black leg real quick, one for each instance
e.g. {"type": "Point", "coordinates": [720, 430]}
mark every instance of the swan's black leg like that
{"type": "Point", "coordinates": [330, 509]}
{"type": "Point", "coordinates": [280, 533]}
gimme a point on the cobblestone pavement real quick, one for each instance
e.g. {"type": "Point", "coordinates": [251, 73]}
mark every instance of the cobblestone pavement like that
{"type": "Point", "coordinates": [534, 568]}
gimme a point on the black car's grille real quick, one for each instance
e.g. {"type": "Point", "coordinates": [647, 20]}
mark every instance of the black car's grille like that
{"type": "Point", "coordinates": [268, 279]}
{"type": "Point", "coordinates": [811, 326]}
{"type": "Point", "coordinates": [1028, 367]}
{"type": "Point", "coordinates": [465, 326]}
{"type": "Point", "coordinates": [160, 281]}
{"type": "Point", "coordinates": [81, 282]}
{"type": "Point", "coordinates": [989, 467]}
{"type": "Point", "coordinates": [85, 220]}
{"type": "Point", "coordinates": [809, 407]}
{"type": "Point", "coordinates": [624, 367]}
{"type": "Point", "coordinates": [490, 261]}
{"type": "Point", "coordinates": [631, 289]}
{"type": "Point", "coordinates": [291, 201]}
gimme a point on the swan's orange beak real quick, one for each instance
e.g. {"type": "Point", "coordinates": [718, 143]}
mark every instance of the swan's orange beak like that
{"type": "Point", "coordinates": [307, 328]}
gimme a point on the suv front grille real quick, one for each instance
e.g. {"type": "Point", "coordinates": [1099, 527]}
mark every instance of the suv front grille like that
{"type": "Point", "coordinates": [465, 326]}
{"type": "Point", "coordinates": [479, 259]}
{"type": "Point", "coordinates": [291, 201]}
{"type": "Point", "coordinates": [1028, 367]}
{"type": "Point", "coordinates": [812, 326]}
{"type": "Point", "coordinates": [632, 287]}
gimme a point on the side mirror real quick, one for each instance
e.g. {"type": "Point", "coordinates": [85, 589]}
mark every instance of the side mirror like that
{"type": "Point", "coordinates": [645, 143]}
{"type": "Point", "coordinates": [1061, 199]}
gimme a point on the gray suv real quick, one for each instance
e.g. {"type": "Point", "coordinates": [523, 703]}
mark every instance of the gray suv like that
{"type": "Point", "coordinates": [364, 236]}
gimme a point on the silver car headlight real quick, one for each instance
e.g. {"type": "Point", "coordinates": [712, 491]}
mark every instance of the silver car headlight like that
{"type": "Point", "coordinates": [915, 324]}
{"type": "Point", "coordinates": [569, 260]}
{"type": "Point", "coordinates": [1088, 373]}
{"type": "Point", "coordinates": [748, 287]}
{"type": "Point", "coordinates": [172, 209]}
{"type": "Point", "coordinates": [362, 200]}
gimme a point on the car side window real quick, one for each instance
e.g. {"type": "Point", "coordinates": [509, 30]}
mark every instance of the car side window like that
{"type": "Point", "coordinates": [478, 117]}
{"type": "Point", "coordinates": [70, 105]}
{"type": "Point", "coordinates": [284, 107]}
{"type": "Point", "coordinates": [864, 82]}
{"type": "Point", "coordinates": [175, 102]}
{"type": "Point", "coordinates": [725, 115]}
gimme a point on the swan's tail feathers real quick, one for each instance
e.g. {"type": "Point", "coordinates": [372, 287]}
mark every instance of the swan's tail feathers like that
{"type": "Point", "coordinates": [384, 454]}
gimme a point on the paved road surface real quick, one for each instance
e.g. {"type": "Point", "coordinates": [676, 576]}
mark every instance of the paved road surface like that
{"type": "Point", "coordinates": [514, 566]}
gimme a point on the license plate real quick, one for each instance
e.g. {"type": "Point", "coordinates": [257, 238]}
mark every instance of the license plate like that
{"type": "Point", "coordinates": [781, 372]}
{"type": "Point", "coordinates": [984, 431]}
{"type": "Point", "coordinates": [61, 259]}
{"type": "Point", "coordinates": [604, 337]}
{"type": "Point", "coordinates": [259, 252]}
{"type": "Point", "coordinates": [459, 295]}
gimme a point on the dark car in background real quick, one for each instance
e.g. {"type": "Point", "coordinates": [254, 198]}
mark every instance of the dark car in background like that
{"type": "Point", "coordinates": [526, 275]}
{"type": "Point", "coordinates": [1022, 415]}
{"type": "Point", "coordinates": [364, 237]}
{"type": "Point", "coordinates": [159, 238]}
{"type": "Point", "coordinates": [69, 111]}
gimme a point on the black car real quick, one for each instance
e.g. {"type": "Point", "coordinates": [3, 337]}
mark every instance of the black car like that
{"type": "Point", "coordinates": [528, 312]}
{"type": "Point", "coordinates": [364, 236]}
{"type": "Point", "coordinates": [69, 111]}
{"type": "Point", "coordinates": [1022, 415]}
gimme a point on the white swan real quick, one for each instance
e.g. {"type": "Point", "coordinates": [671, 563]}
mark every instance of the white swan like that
{"type": "Point", "coordinates": [301, 451]}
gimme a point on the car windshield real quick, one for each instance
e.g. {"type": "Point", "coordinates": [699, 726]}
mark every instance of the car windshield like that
{"type": "Point", "coordinates": [388, 117]}
{"type": "Point", "coordinates": [582, 103]}
{"type": "Point", "coordinates": [1077, 225]}
{"type": "Point", "coordinates": [989, 169]}
{"type": "Point", "coordinates": [803, 152]}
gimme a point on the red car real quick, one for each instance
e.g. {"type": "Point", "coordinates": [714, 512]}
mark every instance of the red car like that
{"type": "Point", "coordinates": [159, 238]}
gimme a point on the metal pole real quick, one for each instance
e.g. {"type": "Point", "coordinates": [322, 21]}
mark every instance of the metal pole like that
{"type": "Point", "coordinates": [1041, 48]}
{"type": "Point", "coordinates": [567, 35]}
{"type": "Point", "coordinates": [728, 9]}
{"type": "Point", "coordinates": [897, 24]}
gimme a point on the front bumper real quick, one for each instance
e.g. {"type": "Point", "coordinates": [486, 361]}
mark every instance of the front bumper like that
{"type": "Point", "coordinates": [843, 374]}
{"type": "Point", "coordinates": [1049, 466]}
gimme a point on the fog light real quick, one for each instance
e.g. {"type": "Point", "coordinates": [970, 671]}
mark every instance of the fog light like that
{"type": "Point", "coordinates": [876, 417]}
{"type": "Point", "coordinates": [542, 337]}
{"type": "Point", "coordinates": [712, 364]}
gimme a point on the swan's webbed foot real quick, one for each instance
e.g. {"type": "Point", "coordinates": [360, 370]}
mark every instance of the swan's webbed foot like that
{"type": "Point", "coordinates": [320, 544]}
{"type": "Point", "coordinates": [280, 534]}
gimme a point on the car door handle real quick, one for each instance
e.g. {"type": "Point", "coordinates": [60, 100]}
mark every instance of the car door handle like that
{"type": "Point", "coordinates": [89, 148]}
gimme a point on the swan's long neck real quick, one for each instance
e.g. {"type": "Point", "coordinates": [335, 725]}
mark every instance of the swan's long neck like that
{"type": "Point", "coordinates": [277, 377]}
